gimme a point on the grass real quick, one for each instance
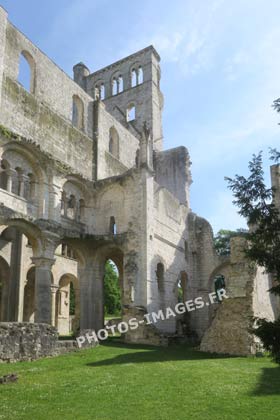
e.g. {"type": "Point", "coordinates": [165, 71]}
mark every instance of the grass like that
{"type": "Point", "coordinates": [123, 382]}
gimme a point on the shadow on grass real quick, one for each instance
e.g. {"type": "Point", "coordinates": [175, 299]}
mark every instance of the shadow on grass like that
{"type": "Point", "coordinates": [269, 383]}
{"type": "Point", "coordinates": [154, 354]}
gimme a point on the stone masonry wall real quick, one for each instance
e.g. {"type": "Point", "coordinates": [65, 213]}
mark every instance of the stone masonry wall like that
{"type": "Point", "coordinates": [26, 341]}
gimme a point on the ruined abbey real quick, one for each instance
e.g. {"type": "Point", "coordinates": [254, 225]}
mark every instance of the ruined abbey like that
{"type": "Point", "coordinates": [85, 179]}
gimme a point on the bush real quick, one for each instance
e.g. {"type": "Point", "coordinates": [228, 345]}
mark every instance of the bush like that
{"type": "Point", "coordinates": [269, 333]}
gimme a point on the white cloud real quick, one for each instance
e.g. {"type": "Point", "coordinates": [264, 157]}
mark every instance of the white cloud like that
{"type": "Point", "coordinates": [188, 40]}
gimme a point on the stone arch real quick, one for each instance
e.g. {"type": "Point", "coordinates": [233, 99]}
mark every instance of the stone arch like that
{"type": "Point", "coordinates": [117, 83]}
{"type": "Point", "coordinates": [74, 199]}
{"type": "Point", "coordinates": [158, 275]}
{"type": "Point", "coordinates": [116, 256]}
{"type": "Point", "coordinates": [68, 288]}
{"type": "Point", "coordinates": [136, 74]}
{"type": "Point", "coordinates": [114, 142]}
{"type": "Point", "coordinates": [32, 233]}
{"type": "Point", "coordinates": [25, 175]}
{"type": "Point", "coordinates": [99, 90]}
{"type": "Point", "coordinates": [110, 204]}
{"type": "Point", "coordinates": [181, 288]}
{"type": "Point", "coordinates": [27, 71]}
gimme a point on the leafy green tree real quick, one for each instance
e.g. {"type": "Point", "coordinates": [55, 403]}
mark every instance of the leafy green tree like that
{"type": "Point", "coordinates": [222, 240]}
{"type": "Point", "coordinates": [255, 203]}
{"type": "Point", "coordinates": [112, 293]}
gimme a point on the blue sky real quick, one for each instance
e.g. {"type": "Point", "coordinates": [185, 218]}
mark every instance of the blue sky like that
{"type": "Point", "coordinates": [220, 74]}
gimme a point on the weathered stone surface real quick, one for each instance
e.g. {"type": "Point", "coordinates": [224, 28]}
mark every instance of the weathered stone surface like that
{"type": "Point", "coordinates": [26, 341]}
{"type": "Point", "coordinates": [81, 183]}
{"type": "Point", "coordinates": [229, 332]}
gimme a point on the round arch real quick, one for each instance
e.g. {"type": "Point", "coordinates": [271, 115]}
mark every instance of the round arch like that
{"type": "Point", "coordinates": [67, 304]}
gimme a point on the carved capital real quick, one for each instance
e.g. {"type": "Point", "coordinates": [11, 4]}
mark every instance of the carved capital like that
{"type": "Point", "coordinates": [43, 262]}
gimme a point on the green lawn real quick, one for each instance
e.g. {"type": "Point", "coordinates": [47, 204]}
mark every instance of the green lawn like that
{"type": "Point", "coordinates": [121, 382]}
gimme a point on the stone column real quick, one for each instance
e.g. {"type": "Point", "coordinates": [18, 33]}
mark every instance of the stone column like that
{"type": "Point", "coordinates": [54, 289]}
{"type": "Point", "coordinates": [15, 274]}
{"type": "Point", "coordinates": [91, 295]}
{"type": "Point", "coordinates": [21, 181]}
{"type": "Point", "coordinates": [43, 301]}
{"type": "Point", "coordinates": [55, 202]}
{"type": "Point", "coordinates": [9, 173]}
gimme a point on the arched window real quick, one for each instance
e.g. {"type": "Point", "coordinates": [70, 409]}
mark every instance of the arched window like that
{"type": "Point", "coordinates": [102, 92]}
{"type": "Point", "coordinates": [4, 175]}
{"type": "Point", "coordinates": [26, 74]}
{"type": "Point", "coordinates": [133, 78]}
{"type": "Point", "coordinates": [71, 207]}
{"type": "Point", "coordinates": [31, 187]}
{"type": "Point", "coordinates": [16, 182]}
{"type": "Point", "coordinates": [78, 113]}
{"type": "Point", "coordinates": [140, 76]}
{"type": "Point", "coordinates": [113, 226]}
{"type": "Point", "coordinates": [63, 204]}
{"type": "Point", "coordinates": [120, 84]}
{"type": "Point", "coordinates": [114, 142]}
{"type": "Point", "coordinates": [160, 277]}
{"type": "Point", "coordinates": [114, 87]}
{"type": "Point", "coordinates": [130, 113]}
{"type": "Point", "coordinates": [81, 210]}
{"type": "Point", "coordinates": [182, 287]}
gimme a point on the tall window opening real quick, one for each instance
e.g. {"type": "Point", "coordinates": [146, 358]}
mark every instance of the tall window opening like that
{"type": "Point", "coordinates": [160, 277]}
{"type": "Point", "coordinates": [112, 291]}
{"type": "Point", "coordinates": [26, 74]}
{"type": "Point", "coordinates": [113, 226]}
{"type": "Point", "coordinates": [130, 113]}
{"type": "Point", "coordinates": [114, 87]}
{"type": "Point", "coordinates": [120, 84]}
{"type": "Point", "coordinates": [140, 76]}
{"type": "Point", "coordinates": [133, 78]}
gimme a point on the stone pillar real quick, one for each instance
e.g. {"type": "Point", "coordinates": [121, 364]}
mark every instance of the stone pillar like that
{"type": "Point", "coordinates": [91, 295]}
{"type": "Point", "coordinates": [14, 283]}
{"type": "Point", "coordinates": [55, 202]}
{"type": "Point", "coordinates": [21, 187]}
{"type": "Point", "coordinates": [9, 180]}
{"type": "Point", "coordinates": [43, 301]}
{"type": "Point", "coordinates": [54, 289]}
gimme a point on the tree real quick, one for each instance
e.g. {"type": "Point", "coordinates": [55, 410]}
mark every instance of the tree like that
{"type": "Point", "coordinates": [276, 105]}
{"type": "Point", "coordinates": [255, 203]}
{"type": "Point", "coordinates": [222, 240]}
{"type": "Point", "coordinates": [112, 293]}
